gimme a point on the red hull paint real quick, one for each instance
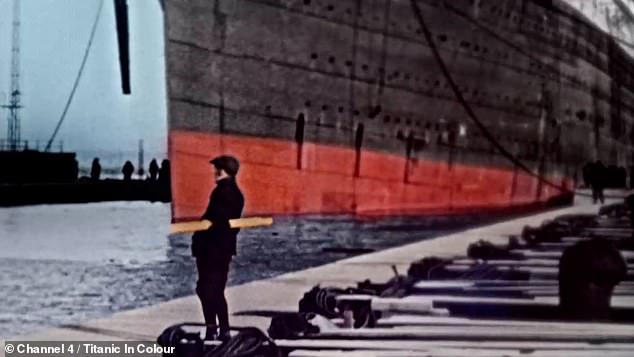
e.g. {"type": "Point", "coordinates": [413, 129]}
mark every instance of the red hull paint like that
{"type": "Point", "coordinates": [272, 184]}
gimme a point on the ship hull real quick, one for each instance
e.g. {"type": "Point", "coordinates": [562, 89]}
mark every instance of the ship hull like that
{"type": "Point", "coordinates": [328, 182]}
{"type": "Point", "coordinates": [342, 107]}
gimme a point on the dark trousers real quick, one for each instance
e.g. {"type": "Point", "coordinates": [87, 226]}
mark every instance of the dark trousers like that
{"type": "Point", "coordinates": [210, 288]}
{"type": "Point", "coordinates": [597, 193]}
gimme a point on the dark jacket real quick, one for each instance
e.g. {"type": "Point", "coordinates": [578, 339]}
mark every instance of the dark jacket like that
{"type": "Point", "coordinates": [219, 241]}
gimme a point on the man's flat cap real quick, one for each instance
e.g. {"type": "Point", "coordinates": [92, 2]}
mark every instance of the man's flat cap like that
{"type": "Point", "coordinates": [228, 163]}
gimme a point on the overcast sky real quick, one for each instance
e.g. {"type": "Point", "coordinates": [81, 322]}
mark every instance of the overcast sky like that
{"type": "Point", "coordinates": [54, 36]}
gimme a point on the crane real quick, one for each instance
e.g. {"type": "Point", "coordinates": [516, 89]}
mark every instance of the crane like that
{"type": "Point", "coordinates": [14, 105]}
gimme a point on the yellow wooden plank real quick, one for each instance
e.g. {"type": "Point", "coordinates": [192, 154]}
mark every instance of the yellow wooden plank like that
{"type": "Point", "coordinates": [248, 222]}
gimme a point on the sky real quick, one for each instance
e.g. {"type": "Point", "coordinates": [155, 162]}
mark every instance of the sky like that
{"type": "Point", "coordinates": [54, 35]}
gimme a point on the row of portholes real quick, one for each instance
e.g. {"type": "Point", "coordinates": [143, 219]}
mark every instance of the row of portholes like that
{"type": "Point", "coordinates": [451, 134]}
{"type": "Point", "coordinates": [548, 68]}
{"type": "Point", "coordinates": [408, 27]}
{"type": "Point", "coordinates": [448, 133]}
{"type": "Point", "coordinates": [437, 83]}
{"type": "Point", "coordinates": [366, 68]}
{"type": "Point", "coordinates": [475, 47]}
{"type": "Point", "coordinates": [407, 76]}
{"type": "Point", "coordinates": [582, 50]}
{"type": "Point", "coordinates": [438, 126]}
{"type": "Point", "coordinates": [339, 109]}
{"type": "Point", "coordinates": [511, 15]}
{"type": "Point", "coordinates": [442, 38]}
{"type": "Point", "coordinates": [494, 9]}
{"type": "Point", "coordinates": [445, 130]}
{"type": "Point", "coordinates": [407, 121]}
{"type": "Point", "coordinates": [526, 148]}
{"type": "Point", "coordinates": [537, 24]}
{"type": "Point", "coordinates": [387, 119]}
{"type": "Point", "coordinates": [331, 7]}
{"type": "Point", "coordinates": [582, 115]}
{"type": "Point", "coordinates": [431, 82]}
{"type": "Point", "coordinates": [536, 21]}
{"type": "Point", "coordinates": [442, 137]}
{"type": "Point", "coordinates": [360, 14]}
{"type": "Point", "coordinates": [562, 40]}
{"type": "Point", "coordinates": [397, 120]}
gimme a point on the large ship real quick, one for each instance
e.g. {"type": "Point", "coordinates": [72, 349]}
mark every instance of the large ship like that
{"type": "Point", "coordinates": [342, 106]}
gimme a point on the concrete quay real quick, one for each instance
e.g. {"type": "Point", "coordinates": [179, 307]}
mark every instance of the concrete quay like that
{"type": "Point", "coordinates": [283, 292]}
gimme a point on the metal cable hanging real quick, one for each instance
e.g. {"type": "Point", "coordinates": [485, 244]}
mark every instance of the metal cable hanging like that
{"type": "Point", "coordinates": [78, 78]}
{"type": "Point", "coordinates": [483, 129]}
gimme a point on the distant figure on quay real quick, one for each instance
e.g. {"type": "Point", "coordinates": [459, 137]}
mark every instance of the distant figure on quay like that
{"type": "Point", "coordinates": [215, 247]}
{"type": "Point", "coordinates": [164, 181]}
{"type": "Point", "coordinates": [128, 170]}
{"type": "Point", "coordinates": [164, 172]}
{"type": "Point", "coordinates": [597, 181]}
{"type": "Point", "coordinates": [95, 170]}
{"type": "Point", "coordinates": [586, 170]}
{"type": "Point", "coordinates": [154, 170]}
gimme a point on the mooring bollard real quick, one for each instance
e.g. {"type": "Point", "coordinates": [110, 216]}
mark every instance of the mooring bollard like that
{"type": "Point", "coordinates": [588, 273]}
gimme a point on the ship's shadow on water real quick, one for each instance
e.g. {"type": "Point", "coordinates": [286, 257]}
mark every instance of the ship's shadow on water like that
{"type": "Point", "coordinates": [40, 293]}
{"type": "Point", "coordinates": [295, 243]}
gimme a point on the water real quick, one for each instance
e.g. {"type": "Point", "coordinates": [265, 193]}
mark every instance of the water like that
{"type": "Point", "coordinates": [66, 263]}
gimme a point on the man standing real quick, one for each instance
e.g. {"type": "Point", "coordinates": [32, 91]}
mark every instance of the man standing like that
{"type": "Point", "coordinates": [127, 170]}
{"type": "Point", "coordinates": [215, 247]}
{"type": "Point", "coordinates": [154, 170]}
{"type": "Point", "coordinates": [95, 170]}
{"type": "Point", "coordinates": [597, 181]}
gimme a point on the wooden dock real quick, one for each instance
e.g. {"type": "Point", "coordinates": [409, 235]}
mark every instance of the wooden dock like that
{"type": "Point", "coordinates": [433, 319]}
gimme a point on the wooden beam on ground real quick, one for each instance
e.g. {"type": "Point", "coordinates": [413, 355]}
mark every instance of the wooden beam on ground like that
{"type": "Point", "coordinates": [528, 263]}
{"type": "Point", "coordinates": [501, 291]}
{"type": "Point", "coordinates": [429, 304]}
{"type": "Point", "coordinates": [535, 254]}
{"type": "Point", "coordinates": [414, 320]}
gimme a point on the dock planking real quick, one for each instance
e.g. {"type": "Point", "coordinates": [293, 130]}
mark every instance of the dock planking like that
{"type": "Point", "coordinates": [485, 316]}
